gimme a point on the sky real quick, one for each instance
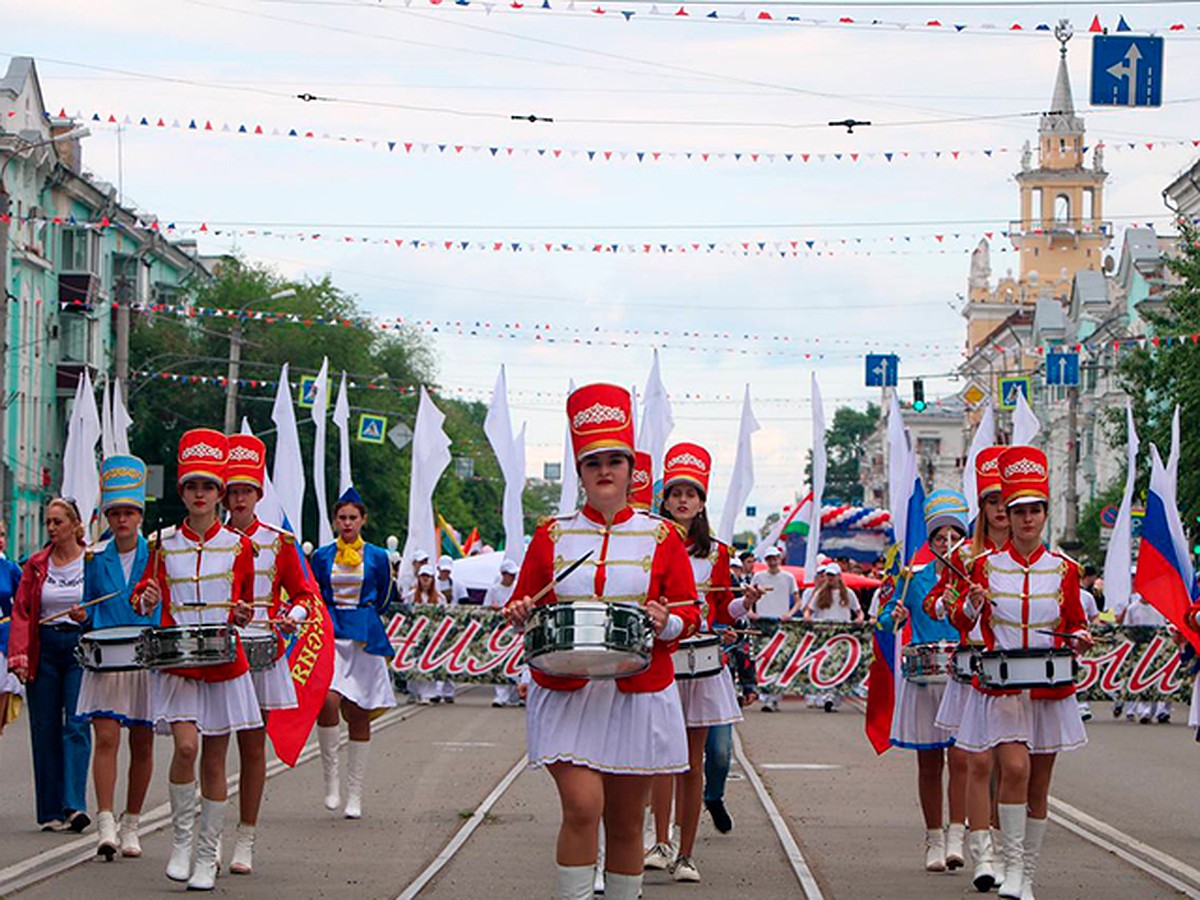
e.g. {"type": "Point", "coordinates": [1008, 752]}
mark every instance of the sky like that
{"type": "Point", "coordinates": [890, 238]}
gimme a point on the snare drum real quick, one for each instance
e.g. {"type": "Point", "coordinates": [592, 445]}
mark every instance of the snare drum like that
{"type": "Point", "coordinates": [589, 639]}
{"type": "Point", "coordinates": [928, 663]}
{"type": "Point", "coordinates": [110, 649]}
{"type": "Point", "coordinates": [698, 657]}
{"type": "Point", "coordinates": [259, 645]}
{"type": "Point", "coordinates": [187, 646]}
{"type": "Point", "coordinates": [1020, 669]}
{"type": "Point", "coordinates": [964, 663]}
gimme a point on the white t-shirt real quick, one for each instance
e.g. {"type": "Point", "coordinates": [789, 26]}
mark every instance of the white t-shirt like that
{"type": "Point", "coordinates": [836, 612]}
{"type": "Point", "coordinates": [498, 595]}
{"type": "Point", "coordinates": [127, 562]}
{"type": "Point", "coordinates": [776, 602]}
{"type": "Point", "coordinates": [62, 589]}
{"type": "Point", "coordinates": [1139, 612]}
{"type": "Point", "coordinates": [1088, 599]}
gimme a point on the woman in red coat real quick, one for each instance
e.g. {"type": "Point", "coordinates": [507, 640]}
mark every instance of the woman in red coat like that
{"type": "Point", "coordinates": [602, 739]}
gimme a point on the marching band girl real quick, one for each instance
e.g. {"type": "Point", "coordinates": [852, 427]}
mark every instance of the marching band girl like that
{"type": "Point", "coordinates": [600, 739]}
{"type": "Point", "coordinates": [356, 585]}
{"type": "Point", "coordinates": [913, 724]}
{"type": "Point", "coordinates": [283, 595]}
{"type": "Point", "coordinates": [113, 700]}
{"type": "Point", "coordinates": [707, 701]}
{"type": "Point", "coordinates": [202, 573]}
{"type": "Point", "coordinates": [1026, 597]}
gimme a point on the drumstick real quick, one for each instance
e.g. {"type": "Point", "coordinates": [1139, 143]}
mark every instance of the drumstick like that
{"type": "Point", "coordinates": [950, 565]}
{"type": "Point", "coordinates": [561, 575]}
{"type": "Point", "coordinates": [59, 615]}
{"type": "Point", "coordinates": [1058, 634]}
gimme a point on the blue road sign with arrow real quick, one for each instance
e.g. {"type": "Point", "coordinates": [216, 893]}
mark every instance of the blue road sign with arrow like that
{"type": "Point", "coordinates": [1126, 70]}
{"type": "Point", "coordinates": [883, 369]}
{"type": "Point", "coordinates": [1010, 389]}
{"type": "Point", "coordinates": [1062, 369]}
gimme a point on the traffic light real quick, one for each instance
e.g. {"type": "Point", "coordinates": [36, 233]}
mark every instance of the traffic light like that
{"type": "Point", "coordinates": [918, 403]}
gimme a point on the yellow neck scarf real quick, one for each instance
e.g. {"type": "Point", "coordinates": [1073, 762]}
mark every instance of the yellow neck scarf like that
{"type": "Point", "coordinates": [349, 555]}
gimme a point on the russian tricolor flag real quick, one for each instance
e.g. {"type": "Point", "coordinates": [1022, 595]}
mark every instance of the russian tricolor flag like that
{"type": "Point", "coordinates": [1165, 575]}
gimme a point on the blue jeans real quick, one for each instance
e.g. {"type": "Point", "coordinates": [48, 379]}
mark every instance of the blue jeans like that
{"type": "Point", "coordinates": [62, 743]}
{"type": "Point", "coordinates": [717, 750]}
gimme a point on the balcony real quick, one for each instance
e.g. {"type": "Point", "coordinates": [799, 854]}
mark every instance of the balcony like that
{"type": "Point", "coordinates": [1067, 230]}
{"type": "Point", "coordinates": [78, 291]}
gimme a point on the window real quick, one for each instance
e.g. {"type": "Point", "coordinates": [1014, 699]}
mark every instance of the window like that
{"type": "Point", "coordinates": [1089, 203]}
{"type": "Point", "coordinates": [929, 446]}
{"type": "Point", "coordinates": [80, 251]}
{"type": "Point", "coordinates": [1062, 208]}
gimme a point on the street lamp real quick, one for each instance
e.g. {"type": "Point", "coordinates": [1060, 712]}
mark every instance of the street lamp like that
{"type": "Point", "coordinates": [235, 360]}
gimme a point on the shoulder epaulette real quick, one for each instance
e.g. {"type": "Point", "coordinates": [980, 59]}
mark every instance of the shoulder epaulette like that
{"type": "Point", "coordinates": [284, 533]}
{"type": "Point", "coordinates": [163, 533]}
{"type": "Point", "coordinates": [1065, 558]}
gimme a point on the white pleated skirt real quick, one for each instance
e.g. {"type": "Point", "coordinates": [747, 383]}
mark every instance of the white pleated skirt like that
{"type": "Point", "coordinates": [1194, 714]}
{"type": "Point", "coordinates": [8, 681]}
{"type": "Point", "coordinates": [217, 707]}
{"type": "Point", "coordinates": [124, 696]}
{"type": "Point", "coordinates": [602, 728]}
{"type": "Point", "coordinates": [709, 701]}
{"type": "Point", "coordinates": [913, 722]}
{"type": "Point", "coordinates": [1044, 726]}
{"type": "Point", "coordinates": [950, 710]}
{"type": "Point", "coordinates": [274, 687]}
{"type": "Point", "coordinates": [360, 677]}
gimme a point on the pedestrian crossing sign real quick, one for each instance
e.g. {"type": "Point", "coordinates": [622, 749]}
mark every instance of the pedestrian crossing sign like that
{"type": "Point", "coordinates": [308, 391]}
{"type": "Point", "coordinates": [1012, 388]}
{"type": "Point", "coordinates": [372, 429]}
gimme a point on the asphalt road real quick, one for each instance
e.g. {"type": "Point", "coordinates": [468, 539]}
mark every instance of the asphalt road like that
{"type": "Point", "coordinates": [853, 815]}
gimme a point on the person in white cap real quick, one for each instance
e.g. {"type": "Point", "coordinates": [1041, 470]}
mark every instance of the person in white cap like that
{"type": "Point", "coordinates": [497, 595]}
{"type": "Point", "coordinates": [1139, 612]}
{"type": "Point", "coordinates": [425, 593]}
{"type": "Point", "coordinates": [831, 601]}
{"type": "Point", "coordinates": [407, 578]}
{"type": "Point", "coordinates": [781, 600]}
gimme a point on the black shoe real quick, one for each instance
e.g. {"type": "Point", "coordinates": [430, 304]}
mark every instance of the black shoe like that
{"type": "Point", "coordinates": [496, 704]}
{"type": "Point", "coordinates": [447, 699]}
{"type": "Point", "coordinates": [828, 706]}
{"type": "Point", "coordinates": [1164, 718]}
{"type": "Point", "coordinates": [78, 821]}
{"type": "Point", "coordinates": [720, 815]}
{"type": "Point", "coordinates": [1145, 720]}
{"type": "Point", "coordinates": [435, 700]}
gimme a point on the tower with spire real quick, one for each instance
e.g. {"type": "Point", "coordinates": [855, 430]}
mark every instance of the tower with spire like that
{"type": "Point", "coordinates": [1061, 229]}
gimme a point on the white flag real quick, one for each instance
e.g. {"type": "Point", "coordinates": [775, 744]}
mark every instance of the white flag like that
{"type": "Point", "coordinates": [1025, 424]}
{"type": "Point", "coordinates": [657, 421]}
{"type": "Point", "coordinates": [430, 457]}
{"type": "Point", "coordinates": [270, 507]}
{"type": "Point", "coordinates": [319, 409]}
{"type": "Point", "coordinates": [121, 420]}
{"type": "Point", "coordinates": [288, 473]}
{"type": "Point", "coordinates": [341, 418]}
{"type": "Point", "coordinates": [108, 445]}
{"type": "Point", "coordinates": [818, 483]}
{"type": "Point", "coordinates": [1118, 581]}
{"type": "Point", "coordinates": [1170, 495]}
{"type": "Point", "coordinates": [568, 497]}
{"type": "Point", "coordinates": [741, 482]}
{"type": "Point", "coordinates": [81, 479]}
{"type": "Point", "coordinates": [985, 436]}
{"type": "Point", "coordinates": [511, 457]}
{"type": "Point", "coordinates": [902, 471]}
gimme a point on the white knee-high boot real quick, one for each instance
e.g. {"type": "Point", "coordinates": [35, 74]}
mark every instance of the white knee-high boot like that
{"type": "Point", "coordinates": [1035, 833]}
{"type": "Point", "coordinates": [573, 882]}
{"type": "Point", "coordinates": [955, 834]}
{"type": "Point", "coordinates": [1012, 834]}
{"type": "Point", "coordinates": [983, 856]}
{"type": "Point", "coordinates": [935, 850]}
{"type": "Point", "coordinates": [183, 828]}
{"type": "Point", "coordinates": [327, 739]}
{"type": "Point", "coordinates": [356, 773]}
{"type": "Point", "coordinates": [208, 844]}
{"type": "Point", "coordinates": [622, 887]}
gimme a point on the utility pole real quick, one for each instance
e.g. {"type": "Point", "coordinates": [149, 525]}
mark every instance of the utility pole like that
{"type": "Point", "coordinates": [5, 368]}
{"type": "Point", "coordinates": [231, 381]}
{"type": "Point", "coordinates": [1070, 540]}
{"type": "Point", "coordinates": [121, 353]}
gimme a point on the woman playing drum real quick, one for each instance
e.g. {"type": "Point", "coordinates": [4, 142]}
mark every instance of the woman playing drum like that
{"type": "Point", "coordinates": [991, 533]}
{"type": "Point", "coordinates": [356, 584]}
{"type": "Point", "coordinates": [203, 574]}
{"type": "Point", "coordinates": [1027, 599]}
{"type": "Point", "coordinates": [709, 700]}
{"type": "Point", "coordinates": [116, 699]}
{"type": "Point", "coordinates": [921, 691]}
{"type": "Point", "coordinates": [601, 739]}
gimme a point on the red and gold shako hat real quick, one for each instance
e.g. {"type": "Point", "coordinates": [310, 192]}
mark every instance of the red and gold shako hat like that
{"type": "Point", "coordinates": [687, 463]}
{"type": "Point", "coordinates": [641, 487]}
{"type": "Point", "coordinates": [987, 470]}
{"type": "Point", "coordinates": [203, 453]}
{"type": "Point", "coordinates": [601, 418]}
{"type": "Point", "coordinates": [247, 461]}
{"type": "Point", "coordinates": [1024, 476]}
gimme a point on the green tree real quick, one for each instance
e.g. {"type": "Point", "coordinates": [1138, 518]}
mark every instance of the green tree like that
{"type": "Point", "coordinates": [1166, 373]}
{"type": "Point", "coordinates": [845, 442]}
{"type": "Point", "coordinates": [1089, 522]}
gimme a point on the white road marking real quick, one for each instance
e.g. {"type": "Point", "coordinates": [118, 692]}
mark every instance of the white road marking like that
{"type": "Point", "coordinates": [465, 745]}
{"type": "Point", "coordinates": [463, 834]}
{"type": "Point", "coordinates": [804, 875]}
{"type": "Point", "coordinates": [804, 767]}
{"type": "Point", "coordinates": [1126, 846]}
{"type": "Point", "coordinates": [66, 856]}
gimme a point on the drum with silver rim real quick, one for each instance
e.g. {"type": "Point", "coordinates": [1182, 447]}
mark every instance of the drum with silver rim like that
{"type": "Point", "coordinates": [964, 663]}
{"type": "Point", "coordinates": [110, 649]}
{"type": "Point", "coordinates": [259, 645]}
{"type": "Point", "coordinates": [589, 639]}
{"type": "Point", "coordinates": [698, 657]}
{"type": "Point", "coordinates": [929, 663]}
{"type": "Point", "coordinates": [1048, 667]}
{"type": "Point", "coordinates": [187, 646]}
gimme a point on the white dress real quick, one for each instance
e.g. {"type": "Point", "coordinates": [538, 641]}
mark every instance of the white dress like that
{"type": "Point", "coordinates": [359, 676]}
{"type": "Point", "coordinates": [711, 700]}
{"type": "Point", "coordinates": [273, 686]}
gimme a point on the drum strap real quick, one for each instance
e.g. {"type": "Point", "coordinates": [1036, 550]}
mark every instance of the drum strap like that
{"type": "Point", "coordinates": [1024, 626]}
